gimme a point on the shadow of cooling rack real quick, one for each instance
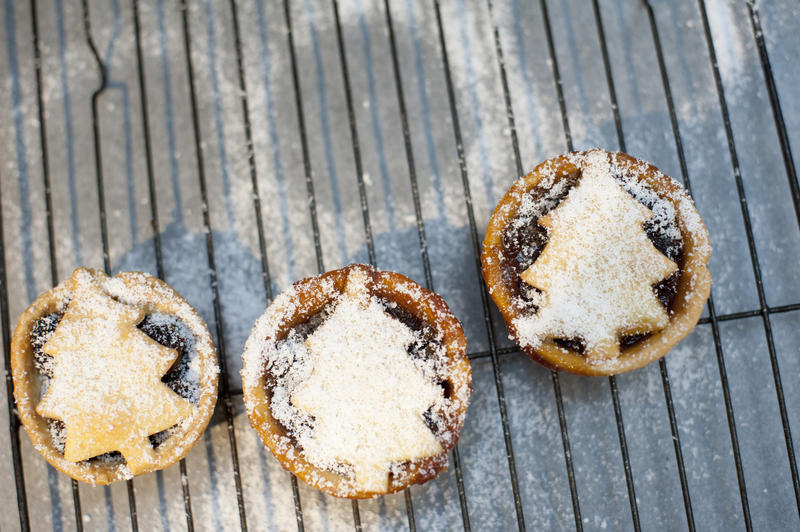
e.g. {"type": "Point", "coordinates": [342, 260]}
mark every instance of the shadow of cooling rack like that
{"type": "Point", "coordinates": [234, 147]}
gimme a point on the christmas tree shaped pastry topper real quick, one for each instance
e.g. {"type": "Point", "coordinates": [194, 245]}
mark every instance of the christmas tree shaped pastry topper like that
{"type": "Point", "coordinates": [366, 395]}
{"type": "Point", "coordinates": [596, 274]}
{"type": "Point", "coordinates": [106, 385]}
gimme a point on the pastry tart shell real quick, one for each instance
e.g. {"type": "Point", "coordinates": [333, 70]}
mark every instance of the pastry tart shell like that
{"type": "Point", "coordinates": [308, 297]}
{"type": "Point", "coordinates": [152, 295]}
{"type": "Point", "coordinates": [693, 286]}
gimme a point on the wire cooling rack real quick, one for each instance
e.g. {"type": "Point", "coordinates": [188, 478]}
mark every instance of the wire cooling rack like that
{"type": "Point", "coordinates": [233, 147]}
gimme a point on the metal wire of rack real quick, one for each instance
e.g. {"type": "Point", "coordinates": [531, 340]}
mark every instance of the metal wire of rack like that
{"type": "Point", "coordinates": [495, 351]}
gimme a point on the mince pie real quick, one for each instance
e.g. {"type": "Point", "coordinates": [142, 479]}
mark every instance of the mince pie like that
{"type": "Point", "coordinates": [357, 381]}
{"type": "Point", "coordinates": [113, 376]}
{"type": "Point", "coordinates": [597, 262]}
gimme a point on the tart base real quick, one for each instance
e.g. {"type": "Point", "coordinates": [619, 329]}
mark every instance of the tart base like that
{"type": "Point", "coordinates": [302, 301]}
{"type": "Point", "coordinates": [135, 288]}
{"type": "Point", "coordinates": [692, 290]}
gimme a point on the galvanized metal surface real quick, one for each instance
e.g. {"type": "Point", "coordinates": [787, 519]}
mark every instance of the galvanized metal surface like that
{"type": "Point", "coordinates": [218, 149]}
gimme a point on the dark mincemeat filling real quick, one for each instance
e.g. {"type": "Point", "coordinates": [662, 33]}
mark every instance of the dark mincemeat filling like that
{"type": "Point", "coordinates": [40, 333]}
{"type": "Point", "coordinates": [524, 242]}
{"type": "Point", "coordinates": [172, 335]}
{"type": "Point", "coordinates": [301, 331]}
{"type": "Point", "coordinates": [427, 346]}
{"type": "Point", "coordinates": [273, 379]}
{"type": "Point", "coordinates": [425, 349]}
{"type": "Point", "coordinates": [167, 334]}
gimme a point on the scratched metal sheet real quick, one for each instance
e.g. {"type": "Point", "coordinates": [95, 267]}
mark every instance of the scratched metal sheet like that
{"type": "Point", "coordinates": [70, 76]}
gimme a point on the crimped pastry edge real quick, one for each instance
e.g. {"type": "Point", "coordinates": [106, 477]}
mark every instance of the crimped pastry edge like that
{"type": "Point", "coordinates": [695, 279]}
{"type": "Point", "coordinates": [26, 379]}
{"type": "Point", "coordinates": [311, 295]}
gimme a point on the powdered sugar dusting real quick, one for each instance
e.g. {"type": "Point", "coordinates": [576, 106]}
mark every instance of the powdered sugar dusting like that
{"type": "Point", "coordinates": [358, 391]}
{"type": "Point", "coordinates": [266, 328]}
{"type": "Point", "coordinates": [596, 272]}
{"type": "Point", "coordinates": [662, 204]}
{"type": "Point", "coordinates": [364, 393]}
{"type": "Point", "coordinates": [100, 374]}
{"type": "Point", "coordinates": [532, 208]}
{"type": "Point", "coordinates": [106, 385]}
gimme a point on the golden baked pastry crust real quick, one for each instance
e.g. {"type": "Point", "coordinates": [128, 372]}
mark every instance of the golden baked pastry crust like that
{"type": "Point", "coordinates": [694, 280]}
{"type": "Point", "coordinates": [307, 298]}
{"type": "Point", "coordinates": [151, 295]}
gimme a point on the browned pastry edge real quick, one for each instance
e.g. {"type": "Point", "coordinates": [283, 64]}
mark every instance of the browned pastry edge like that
{"type": "Point", "coordinates": [27, 385]}
{"type": "Point", "coordinates": [694, 280]}
{"type": "Point", "coordinates": [308, 298]}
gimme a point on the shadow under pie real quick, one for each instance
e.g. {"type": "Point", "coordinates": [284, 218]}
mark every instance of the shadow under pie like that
{"type": "Point", "coordinates": [597, 262]}
{"type": "Point", "coordinates": [113, 376]}
{"type": "Point", "coordinates": [358, 382]}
